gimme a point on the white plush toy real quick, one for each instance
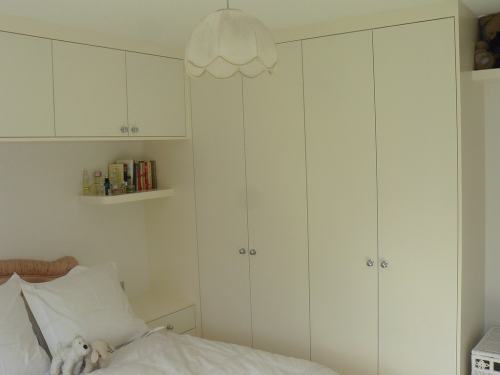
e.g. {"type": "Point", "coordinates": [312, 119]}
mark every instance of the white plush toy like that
{"type": "Point", "coordinates": [98, 357]}
{"type": "Point", "coordinates": [70, 359]}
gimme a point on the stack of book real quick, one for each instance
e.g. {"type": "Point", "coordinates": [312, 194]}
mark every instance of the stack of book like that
{"type": "Point", "coordinates": [134, 175]}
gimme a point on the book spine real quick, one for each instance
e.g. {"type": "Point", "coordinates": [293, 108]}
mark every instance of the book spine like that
{"type": "Point", "coordinates": [143, 177]}
{"type": "Point", "coordinates": [150, 176]}
{"type": "Point", "coordinates": [136, 172]}
{"type": "Point", "coordinates": [139, 175]}
{"type": "Point", "coordinates": [146, 175]}
{"type": "Point", "coordinates": [153, 174]}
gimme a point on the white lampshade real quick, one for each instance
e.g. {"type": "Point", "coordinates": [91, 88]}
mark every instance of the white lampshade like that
{"type": "Point", "coordinates": [227, 42]}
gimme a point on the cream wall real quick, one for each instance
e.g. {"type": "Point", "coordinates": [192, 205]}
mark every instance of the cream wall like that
{"type": "Point", "coordinates": [41, 216]}
{"type": "Point", "coordinates": [492, 121]}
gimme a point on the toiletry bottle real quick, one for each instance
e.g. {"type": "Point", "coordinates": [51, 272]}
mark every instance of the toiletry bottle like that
{"type": "Point", "coordinates": [97, 186]}
{"type": "Point", "coordinates": [85, 183]}
{"type": "Point", "coordinates": [107, 186]}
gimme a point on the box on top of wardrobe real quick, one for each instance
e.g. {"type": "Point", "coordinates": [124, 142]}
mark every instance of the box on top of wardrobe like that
{"type": "Point", "coordinates": [486, 355]}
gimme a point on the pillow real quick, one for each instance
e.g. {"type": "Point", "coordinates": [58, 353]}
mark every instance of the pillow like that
{"type": "Point", "coordinates": [20, 353]}
{"type": "Point", "coordinates": [89, 303]}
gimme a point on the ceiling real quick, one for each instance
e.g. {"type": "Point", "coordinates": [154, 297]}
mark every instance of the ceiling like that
{"type": "Point", "coordinates": [169, 22]}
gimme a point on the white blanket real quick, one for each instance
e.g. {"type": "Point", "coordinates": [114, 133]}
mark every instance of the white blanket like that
{"type": "Point", "coordinates": [172, 354]}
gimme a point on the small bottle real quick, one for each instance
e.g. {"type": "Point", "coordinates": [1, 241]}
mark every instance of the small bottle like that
{"type": "Point", "coordinates": [85, 182]}
{"type": "Point", "coordinates": [130, 185]}
{"type": "Point", "coordinates": [107, 186]}
{"type": "Point", "coordinates": [97, 188]}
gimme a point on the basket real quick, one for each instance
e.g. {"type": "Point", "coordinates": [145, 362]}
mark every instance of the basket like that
{"type": "Point", "coordinates": [486, 355]}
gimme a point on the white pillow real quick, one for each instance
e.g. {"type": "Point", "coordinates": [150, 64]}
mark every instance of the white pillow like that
{"type": "Point", "coordinates": [89, 303]}
{"type": "Point", "coordinates": [20, 353]}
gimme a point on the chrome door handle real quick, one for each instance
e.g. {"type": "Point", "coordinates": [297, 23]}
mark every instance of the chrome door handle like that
{"type": "Point", "coordinates": [384, 264]}
{"type": "Point", "coordinates": [124, 129]}
{"type": "Point", "coordinates": [134, 129]}
{"type": "Point", "coordinates": [252, 252]}
{"type": "Point", "coordinates": [370, 263]}
{"type": "Point", "coordinates": [242, 251]}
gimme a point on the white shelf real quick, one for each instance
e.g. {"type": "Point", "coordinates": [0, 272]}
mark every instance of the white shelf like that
{"type": "Point", "coordinates": [127, 198]}
{"type": "Point", "coordinates": [487, 75]}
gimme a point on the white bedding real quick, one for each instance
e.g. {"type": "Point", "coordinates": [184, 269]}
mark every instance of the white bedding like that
{"type": "Point", "coordinates": [172, 354]}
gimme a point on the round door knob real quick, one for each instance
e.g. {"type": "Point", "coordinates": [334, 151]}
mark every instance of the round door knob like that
{"type": "Point", "coordinates": [170, 327]}
{"type": "Point", "coordinates": [134, 129]}
{"type": "Point", "coordinates": [124, 129]}
{"type": "Point", "coordinates": [252, 252]}
{"type": "Point", "coordinates": [384, 264]}
{"type": "Point", "coordinates": [370, 263]}
{"type": "Point", "coordinates": [242, 251]}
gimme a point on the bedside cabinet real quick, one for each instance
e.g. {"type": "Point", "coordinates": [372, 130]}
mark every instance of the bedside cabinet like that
{"type": "Point", "coordinates": [182, 321]}
{"type": "Point", "coordinates": [158, 309]}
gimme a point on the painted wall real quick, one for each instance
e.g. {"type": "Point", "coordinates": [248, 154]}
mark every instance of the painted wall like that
{"type": "Point", "coordinates": [42, 217]}
{"type": "Point", "coordinates": [492, 123]}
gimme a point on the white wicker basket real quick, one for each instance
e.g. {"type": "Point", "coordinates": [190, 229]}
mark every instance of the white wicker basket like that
{"type": "Point", "coordinates": [486, 355]}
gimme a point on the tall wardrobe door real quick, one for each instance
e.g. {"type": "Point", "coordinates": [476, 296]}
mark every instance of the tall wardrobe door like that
{"type": "Point", "coordinates": [341, 168]}
{"type": "Point", "coordinates": [219, 164]}
{"type": "Point", "coordinates": [417, 173]}
{"type": "Point", "coordinates": [277, 206]}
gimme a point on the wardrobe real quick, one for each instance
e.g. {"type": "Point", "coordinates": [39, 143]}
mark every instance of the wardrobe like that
{"type": "Point", "coordinates": [327, 200]}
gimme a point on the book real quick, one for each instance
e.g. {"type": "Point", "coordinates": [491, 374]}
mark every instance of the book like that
{"type": "Point", "coordinates": [115, 173]}
{"type": "Point", "coordinates": [136, 176]}
{"type": "Point", "coordinates": [153, 175]}
{"type": "Point", "coordinates": [146, 175]}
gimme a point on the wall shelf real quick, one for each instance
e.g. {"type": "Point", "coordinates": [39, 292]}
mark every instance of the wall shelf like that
{"type": "Point", "coordinates": [487, 75]}
{"type": "Point", "coordinates": [127, 198]}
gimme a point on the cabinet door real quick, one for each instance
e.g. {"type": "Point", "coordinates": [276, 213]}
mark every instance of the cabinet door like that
{"type": "Point", "coordinates": [277, 206]}
{"type": "Point", "coordinates": [89, 91]}
{"type": "Point", "coordinates": [155, 87]}
{"type": "Point", "coordinates": [341, 169]}
{"type": "Point", "coordinates": [219, 165]}
{"type": "Point", "coordinates": [26, 98]}
{"type": "Point", "coordinates": [417, 174]}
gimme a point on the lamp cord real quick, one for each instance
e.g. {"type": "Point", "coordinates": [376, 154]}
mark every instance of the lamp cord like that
{"type": "Point", "coordinates": [227, 4]}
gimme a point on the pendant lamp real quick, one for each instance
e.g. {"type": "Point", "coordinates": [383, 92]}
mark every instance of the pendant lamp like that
{"type": "Point", "coordinates": [228, 42]}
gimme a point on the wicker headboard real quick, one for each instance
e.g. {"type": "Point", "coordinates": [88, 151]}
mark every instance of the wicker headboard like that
{"type": "Point", "coordinates": [36, 271]}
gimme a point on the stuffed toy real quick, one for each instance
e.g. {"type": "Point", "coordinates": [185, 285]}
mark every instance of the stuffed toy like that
{"type": "Point", "coordinates": [483, 58]}
{"type": "Point", "coordinates": [70, 359]}
{"type": "Point", "coordinates": [98, 357]}
{"type": "Point", "coordinates": [490, 34]}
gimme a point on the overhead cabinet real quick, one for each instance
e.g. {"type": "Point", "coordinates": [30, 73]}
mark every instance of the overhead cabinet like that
{"type": "Point", "coordinates": [26, 98]}
{"type": "Point", "coordinates": [69, 90]}
{"type": "Point", "coordinates": [155, 93]}
{"type": "Point", "coordinates": [90, 91]}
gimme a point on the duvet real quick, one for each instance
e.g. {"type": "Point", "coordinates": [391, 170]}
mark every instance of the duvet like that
{"type": "Point", "coordinates": [172, 354]}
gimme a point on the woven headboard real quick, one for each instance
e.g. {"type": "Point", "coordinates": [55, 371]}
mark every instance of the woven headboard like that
{"type": "Point", "coordinates": [36, 271]}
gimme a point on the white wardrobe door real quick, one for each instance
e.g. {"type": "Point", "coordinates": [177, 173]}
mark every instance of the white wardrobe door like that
{"type": "Point", "coordinates": [155, 87]}
{"type": "Point", "coordinates": [277, 206]}
{"type": "Point", "coordinates": [26, 98]}
{"type": "Point", "coordinates": [219, 164]}
{"type": "Point", "coordinates": [89, 90]}
{"type": "Point", "coordinates": [417, 172]}
{"type": "Point", "coordinates": [341, 168]}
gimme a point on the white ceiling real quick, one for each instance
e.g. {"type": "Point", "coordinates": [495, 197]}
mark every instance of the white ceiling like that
{"type": "Point", "coordinates": [482, 7]}
{"type": "Point", "coordinates": [169, 22]}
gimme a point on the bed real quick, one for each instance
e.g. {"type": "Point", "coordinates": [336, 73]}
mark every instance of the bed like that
{"type": "Point", "coordinates": [163, 352]}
